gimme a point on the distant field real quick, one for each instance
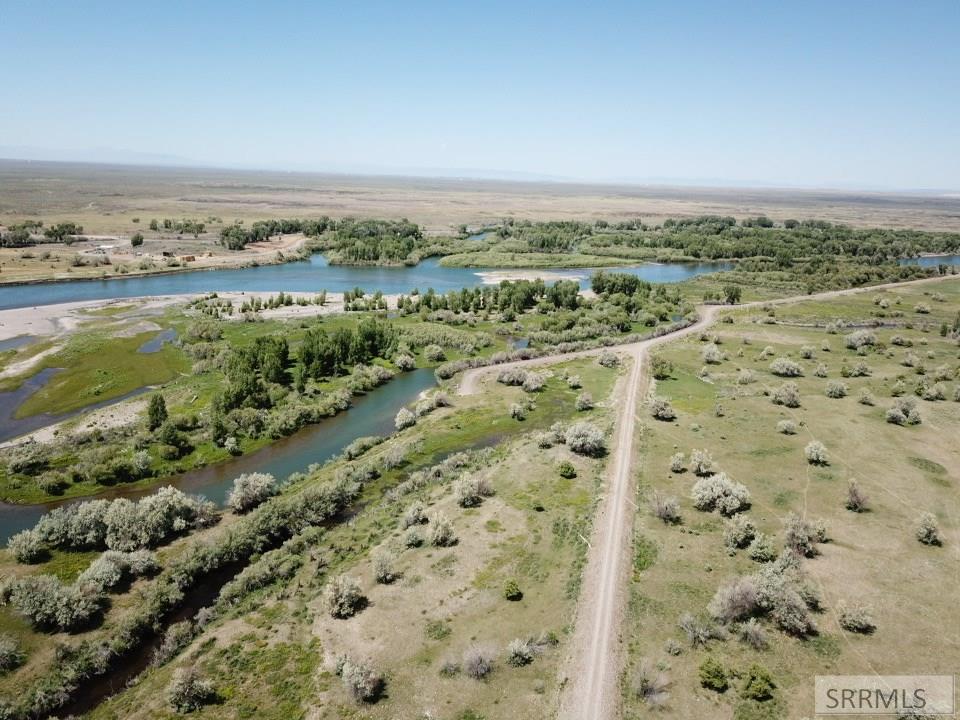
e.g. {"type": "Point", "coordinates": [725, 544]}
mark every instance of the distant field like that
{"type": "Point", "coordinates": [105, 199]}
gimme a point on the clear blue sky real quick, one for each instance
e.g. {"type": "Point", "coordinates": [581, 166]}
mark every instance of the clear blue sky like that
{"type": "Point", "coordinates": [840, 93]}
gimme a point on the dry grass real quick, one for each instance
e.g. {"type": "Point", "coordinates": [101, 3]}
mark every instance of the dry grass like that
{"type": "Point", "coordinates": [104, 199]}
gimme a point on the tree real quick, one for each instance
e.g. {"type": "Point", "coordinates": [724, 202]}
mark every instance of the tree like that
{"type": "Point", "coordinates": [136, 240]}
{"type": "Point", "coordinates": [660, 367]}
{"type": "Point", "coordinates": [156, 412]}
{"type": "Point", "coordinates": [732, 294]}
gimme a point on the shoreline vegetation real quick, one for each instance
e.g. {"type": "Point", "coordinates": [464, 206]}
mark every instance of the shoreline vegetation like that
{"type": "Point", "coordinates": [758, 242]}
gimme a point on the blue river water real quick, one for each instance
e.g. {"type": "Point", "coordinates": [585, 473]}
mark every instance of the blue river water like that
{"type": "Point", "coordinates": [370, 414]}
{"type": "Point", "coordinates": [311, 275]}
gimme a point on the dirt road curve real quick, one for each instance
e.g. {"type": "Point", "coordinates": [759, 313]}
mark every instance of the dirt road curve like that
{"type": "Point", "coordinates": [594, 657]}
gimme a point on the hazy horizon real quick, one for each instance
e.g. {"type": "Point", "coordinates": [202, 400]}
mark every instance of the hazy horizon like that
{"type": "Point", "coordinates": [854, 96]}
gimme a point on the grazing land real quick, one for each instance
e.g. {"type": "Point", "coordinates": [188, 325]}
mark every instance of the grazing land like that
{"type": "Point", "coordinates": [855, 357]}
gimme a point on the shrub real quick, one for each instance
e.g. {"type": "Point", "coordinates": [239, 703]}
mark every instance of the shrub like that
{"type": "Point", "coordinates": [404, 362]}
{"type": "Point", "coordinates": [787, 395]}
{"type": "Point", "coordinates": [249, 490]}
{"type": "Point", "coordinates": [660, 367]}
{"type": "Point", "coordinates": [511, 376]}
{"type": "Point", "coordinates": [787, 427]}
{"type": "Point", "coordinates": [362, 682]}
{"type": "Point", "coordinates": [384, 571]}
{"type": "Point", "coordinates": [661, 409]}
{"type": "Point", "coordinates": [517, 411]}
{"type": "Point", "coordinates": [27, 546]}
{"type": "Point", "coordinates": [412, 538]}
{"type": "Point", "coordinates": [544, 440]}
{"type": "Point", "coordinates": [413, 515]}
{"type": "Point", "coordinates": [566, 470]}
{"type": "Point", "coordinates": [866, 397]}
{"type": "Point", "coordinates": [405, 418]}
{"type": "Point", "coordinates": [712, 355]}
{"type": "Point", "coordinates": [584, 401]}
{"type": "Point", "coordinates": [895, 416]}
{"type": "Point", "coordinates": [478, 661]}
{"type": "Point", "coordinates": [470, 491]}
{"type": "Point", "coordinates": [735, 600]}
{"type": "Point", "coordinates": [11, 656]}
{"type": "Point", "coordinates": [574, 382]}
{"type": "Point", "coordinates": [667, 508]}
{"type": "Point", "coordinates": [778, 596]}
{"type": "Point", "coordinates": [752, 633]}
{"type": "Point", "coordinates": [701, 462]}
{"type": "Point", "coordinates": [738, 532]}
{"type": "Point", "coordinates": [856, 498]}
{"type": "Point", "coordinates": [927, 530]}
{"type": "Point", "coordinates": [816, 453]}
{"type": "Point", "coordinates": [533, 382]}
{"type": "Point", "coordinates": [719, 492]}
{"type": "Point", "coordinates": [343, 597]}
{"type": "Point", "coordinates": [762, 549]}
{"type": "Point", "coordinates": [821, 370]}
{"type": "Point", "coordinates": [676, 463]}
{"type": "Point", "coordinates": [176, 637]}
{"type": "Point", "coordinates": [109, 569]}
{"type": "Point", "coordinates": [859, 339]}
{"type": "Point", "coordinates": [442, 533]}
{"type": "Point", "coordinates": [519, 653]}
{"type": "Point", "coordinates": [650, 685]}
{"type": "Point", "coordinates": [188, 691]}
{"type": "Point", "coordinates": [859, 369]}
{"type": "Point", "coordinates": [836, 389]}
{"type": "Point", "coordinates": [799, 535]}
{"type": "Point", "coordinates": [49, 604]}
{"type": "Point", "coordinates": [697, 632]}
{"type": "Point", "coordinates": [746, 377]}
{"type": "Point", "coordinates": [758, 684]}
{"type": "Point", "coordinates": [856, 618]}
{"type": "Point", "coordinates": [807, 352]}
{"type": "Point", "coordinates": [713, 675]}
{"type": "Point", "coordinates": [783, 367]}
{"type": "Point", "coordinates": [512, 591]}
{"type": "Point", "coordinates": [609, 359]}
{"type": "Point", "coordinates": [434, 353]}
{"type": "Point", "coordinates": [585, 439]}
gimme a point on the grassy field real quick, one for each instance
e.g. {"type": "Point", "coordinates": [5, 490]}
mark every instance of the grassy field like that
{"type": "Point", "coordinates": [272, 655]}
{"type": "Point", "coordinates": [871, 558]}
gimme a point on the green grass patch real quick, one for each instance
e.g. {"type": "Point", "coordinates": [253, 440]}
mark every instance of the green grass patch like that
{"type": "Point", "coordinates": [98, 368]}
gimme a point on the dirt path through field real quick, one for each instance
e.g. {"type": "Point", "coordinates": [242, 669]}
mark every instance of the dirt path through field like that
{"type": "Point", "coordinates": [595, 657]}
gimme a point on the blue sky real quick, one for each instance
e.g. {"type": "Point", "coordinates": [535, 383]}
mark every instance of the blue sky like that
{"type": "Point", "coordinates": [839, 94]}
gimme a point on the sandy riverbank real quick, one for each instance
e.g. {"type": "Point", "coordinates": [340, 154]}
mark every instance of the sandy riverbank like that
{"type": "Point", "coordinates": [495, 277]}
{"type": "Point", "coordinates": [63, 318]}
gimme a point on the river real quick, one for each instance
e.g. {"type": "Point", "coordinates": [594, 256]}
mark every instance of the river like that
{"type": "Point", "coordinates": [370, 414]}
{"type": "Point", "coordinates": [310, 275]}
